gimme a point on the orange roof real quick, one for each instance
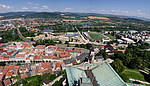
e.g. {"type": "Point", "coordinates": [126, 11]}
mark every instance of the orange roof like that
{"type": "Point", "coordinates": [55, 57]}
{"type": "Point", "coordinates": [27, 58]}
{"type": "Point", "coordinates": [20, 55]}
{"type": "Point", "coordinates": [25, 67]}
{"type": "Point", "coordinates": [29, 50]}
{"type": "Point", "coordinates": [23, 76]}
{"type": "Point", "coordinates": [78, 50]}
{"type": "Point", "coordinates": [47, 57]}
{"type": "Point", "coordinates": [16, 70]}
{"type": "Point", "coordinates": [7, 58]}
{"type": "Point", "coordinates": [29, 46]}
{"type": "Point", "coordinates": [10, 67]}
{"type": "Point", "coordinates": [12, 46]}
{"type": "Point", "coordinates": [59, 49]}
{"type": "Point", "coordinates": [24, 45]}
{"type": "Point", "coordinates": [101, 46]}
{"type": "Point", "coordinates": [9, 74]}
{"type": "Point", "coordinates": [114, 46]}
{"type": "Point", "coordinates": [39, 53]}
{"type": "Point", "coordinates": [37, 58]}
{"type": "Point", "coordinates": [52, 47]}
{"type": "Point", "coordinates": [121, 50]}
{"type": "Point", "coordinates": [2, 47]}
{"type": "Point", "coordinates": [40, 47]}
{"type": "Point", "coordinates": [7, 82]}
{"type": "Point", "coordinates": [64, 54]}
{"type": "Point", "coordinates": [58, 64]}
{"type": "Point", "coordinates": [45, 64]}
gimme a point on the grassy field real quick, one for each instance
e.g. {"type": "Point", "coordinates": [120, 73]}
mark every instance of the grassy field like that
{"type": "Point", "coordinates": [96, 36]}
{"type": "Point", "coordinates": [111, 37]}
{"type": "Point", "coordinates": [133, 73]}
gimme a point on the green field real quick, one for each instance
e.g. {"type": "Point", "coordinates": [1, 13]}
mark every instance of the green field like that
{"type": "Point", "coordinates": [111, 37]}
{"type": "Point", "coordinates": [96, 36]}
{"type": "Point", "coordinates": [133, 73]}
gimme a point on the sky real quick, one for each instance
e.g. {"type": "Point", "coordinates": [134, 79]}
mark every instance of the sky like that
{"type": "Point", "coordinates": [139, 8]}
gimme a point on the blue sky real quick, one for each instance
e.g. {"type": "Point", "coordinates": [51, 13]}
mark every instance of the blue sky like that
{"type": "Point", "coordinates": [138, 8]}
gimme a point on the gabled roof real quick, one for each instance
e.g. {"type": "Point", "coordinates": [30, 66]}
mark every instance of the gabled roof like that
{"type": "Point", "coordinates": [40, 47]}
{"type": "Point", "coordinates": [20, 55]}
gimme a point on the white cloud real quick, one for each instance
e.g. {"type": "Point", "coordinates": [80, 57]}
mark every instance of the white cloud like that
{"type": "Point", "coordinates": [138, 13]}
{"type": "Point", "coordinates": [24, 8]}
{"type": "Point", "coordinates": [30, 3]}
{"type": "Point", "coordinates": [45, 7]}
{"type": "Point", "coordinates": [68, 9]}
{"type": "Point", "coordinates": [5, 6]}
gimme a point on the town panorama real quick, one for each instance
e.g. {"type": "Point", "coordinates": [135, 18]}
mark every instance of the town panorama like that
{"type": "Point", "coordinates": [67, 48]}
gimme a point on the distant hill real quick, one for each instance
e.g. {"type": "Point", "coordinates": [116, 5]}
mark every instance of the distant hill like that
{"type": "Point", "coordinates": [10, 15]}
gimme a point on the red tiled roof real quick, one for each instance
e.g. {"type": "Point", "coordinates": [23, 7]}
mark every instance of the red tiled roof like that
{"type": "Point", "coordinates": [23, 76]}
{"type": "Point", "coordinates": [64, 54]}
{"type": "Point", "coordinates": [10, 67]}
{"type": "Point", "coordinates": [121, 50]}
{"type": "Point", "coordinates": [20, 55]}
{"type": "Point", "coordinates": [39, 53]}
{"type": "Point", "coordinates": [12, 46]}
{"type": "Point", "coordinates": [6, 58]}
{"type": "Point", "coordinates": [28, 50]}
{"type": "Point", "coordinates": [1, 76]}
{"type": "Point", "coordinates": [52, 47]}
{"type": "Point", "coordinates": [40, 47]}
{"type": "Point", "coordinates": [45, 64]}
{"type": "Point", "coordinates": [101, 46]}
{"type": "Point", "coordinates": [16, 70]}
{"type": "Point", "coordinates": [58, 64]}
{"type": "Point", "coordinates": [47, 57]}
{"type": "Point", "coordinates": [24, 45]}
{"type": "Point", "coordinates": [77, 50]}
{"type": "Point", "coordinates": [37, 58]}
{"type": "Point", "coordinates": [27, 58]}
{"type": "Point", "coordinates": [25, 67]}
{"type": "Point", "coordinates": [7, 82]}
{"type": "Point", "coordinates": [2, 47]}
{"type": "Point", "coordinates": [9, 74]}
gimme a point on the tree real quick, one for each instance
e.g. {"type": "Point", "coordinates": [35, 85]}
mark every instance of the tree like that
{"type": "Point", "coordinates": [124, 77]}
{"type": "Point", "coordinates": [88, 46]}
{"type": "Point", "coordinates": [126, 59]}
{"type": "Point", "coordinates": [118, 66]}
{"type": "Point", "coordinates": [77, 45]}
{"type": "Point", "coordinates": [119, 55]}
{"type": "Point", "coordinates": [135, 63]}
{"type": "Point", "coordinates": [66, 42]}
{"type": "Point", "coordinates": [2, 63]}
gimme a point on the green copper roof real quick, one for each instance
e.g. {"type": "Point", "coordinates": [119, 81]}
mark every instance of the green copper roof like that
{"type": "Point", "coordinates": [103, 73]}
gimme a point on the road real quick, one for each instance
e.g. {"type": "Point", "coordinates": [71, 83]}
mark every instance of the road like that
{"type": "Point", "coordinates": [139, 81]}
{"type": "Point", "coordinates": [20, 35]}
{"type": "Point", "coordinates": [57, 79]}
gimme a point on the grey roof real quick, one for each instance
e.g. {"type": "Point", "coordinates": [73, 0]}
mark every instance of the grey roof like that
{"type": "Point", "coordinates": [98, 57]}
{"type": "Point", "coordinates": [69, 61]}
{"type": "Point", "coordinates": [82, 56]}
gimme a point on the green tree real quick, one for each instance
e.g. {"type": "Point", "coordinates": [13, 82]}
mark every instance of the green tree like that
{"type": "Point", "coordinates": [118, 66]}
{"type": "Point", "coordinates": [135, 63]}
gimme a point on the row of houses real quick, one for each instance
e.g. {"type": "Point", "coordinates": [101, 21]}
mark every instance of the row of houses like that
{"type": "Point", "coordinates": [19, 51]}
{"type": "Point", "coordinates": [28, 70]}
